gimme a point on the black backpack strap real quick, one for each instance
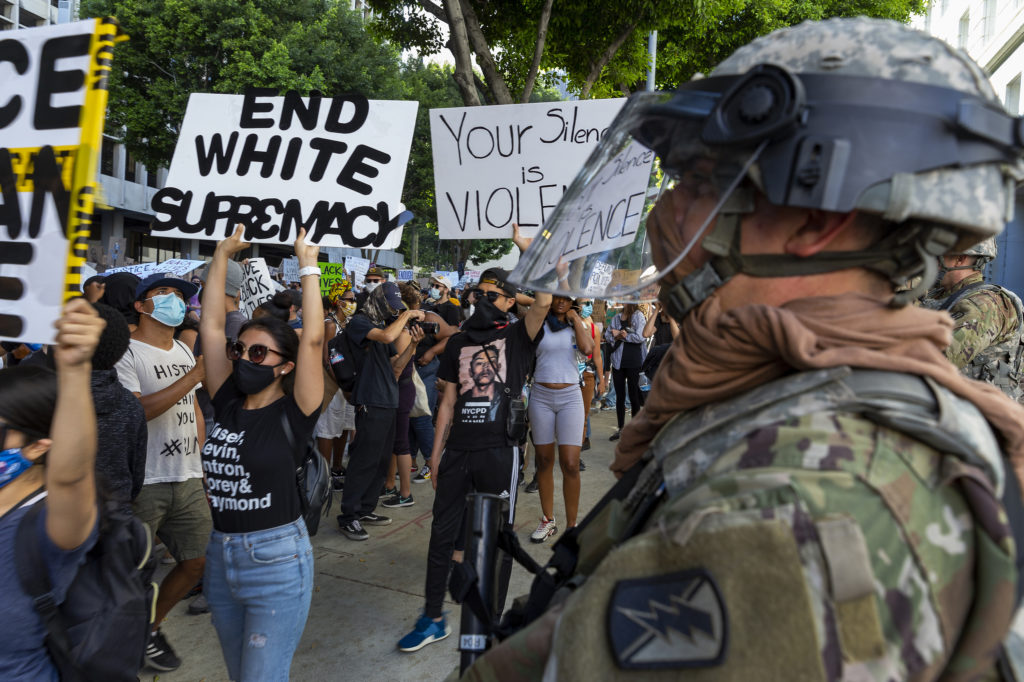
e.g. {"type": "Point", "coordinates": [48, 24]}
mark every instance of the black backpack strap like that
{"type": "Point", "coordinates": [35, 580]}
{"type": "Point", "coordinates": [299, 470]}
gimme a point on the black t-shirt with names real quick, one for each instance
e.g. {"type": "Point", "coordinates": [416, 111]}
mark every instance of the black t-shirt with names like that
{"type": "Point", "coordinates": [249, 463]}
{"type": "Point", "coordinates": [480, 373]}
{"type": "Point", "coordinates": [376, 385]}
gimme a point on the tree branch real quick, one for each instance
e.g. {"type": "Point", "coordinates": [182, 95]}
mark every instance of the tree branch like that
{"type": "Point", "coordinates": [542, 34]}
{"type": "Point", "coordinates": [484, 90]}
{"type": "Point", "coordinates": [459, 45]}
{"type": "Point", "coordinates": [495, 81]}
{"type": "Point", "coordinates": [602, 61]}
{"type": "Point", "coordinates": [435, 9]}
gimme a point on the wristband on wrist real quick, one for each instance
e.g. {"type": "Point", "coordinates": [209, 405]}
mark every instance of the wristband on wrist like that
{"type": "Point", "coordinates": [309, 270]}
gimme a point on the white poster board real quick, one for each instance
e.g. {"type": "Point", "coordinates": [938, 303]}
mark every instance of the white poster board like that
{"type": "Point", "coordinates": [405, 275]}
{"type": "Point", "coordinates": [179, 267]}
{"type": "Point", "coordinates": [357, 267]}
{"type": "Point", "coordinates": [290, 269]}
{"type": "Point", "coordinates": [257, 286]}
{"type": "Point", "coordinates": [143, 270]}
{"type": "Point", "coordinates": [333, 165]}
{"type": "Point", "coordinates": [47, 95]}
{"type": "Point", "coordinates": [498, 165]}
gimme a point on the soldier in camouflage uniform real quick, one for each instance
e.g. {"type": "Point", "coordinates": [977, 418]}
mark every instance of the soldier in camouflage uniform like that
{"type": "Point", "coordinates": [811, 492]}
{"type": "Point", "coordinates": [989, 319]}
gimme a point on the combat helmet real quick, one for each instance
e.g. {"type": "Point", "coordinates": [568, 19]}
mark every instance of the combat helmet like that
{"type": "Point", "coordinates": [838, 115]}
{"type": "Point", "coordinates": [984, 252]}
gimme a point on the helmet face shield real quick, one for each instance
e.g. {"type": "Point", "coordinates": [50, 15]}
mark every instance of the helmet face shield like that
{"type": "Point", "coordinates": [598, 240]}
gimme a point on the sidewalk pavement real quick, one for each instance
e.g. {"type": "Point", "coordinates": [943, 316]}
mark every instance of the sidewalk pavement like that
{"type": "Point", "coordinates": [367, 595]}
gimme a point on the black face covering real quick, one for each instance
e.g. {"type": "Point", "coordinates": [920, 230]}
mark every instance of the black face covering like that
{"type": "Point", "coordinates": [251, 378]}
{"type": "Point", "coordinates": [486, 319]}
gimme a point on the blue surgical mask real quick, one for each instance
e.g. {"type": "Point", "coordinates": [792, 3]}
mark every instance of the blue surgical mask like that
{"type": "Point", "coordinates": [435, 293]}
{"type": "Point", "coordinates": [168, 309]}
{"type": "Point", "coordinates": [586, 310]}
{"type": "Point", "coordinates": [12, 465]}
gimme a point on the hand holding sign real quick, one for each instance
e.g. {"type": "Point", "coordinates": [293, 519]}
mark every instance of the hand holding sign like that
{"type": "Point", "coordinates": [234, 244]}
{"type": "Point", "coordinates": [522, 242]}
{"type": "Point", "coordinates": [306, 253]}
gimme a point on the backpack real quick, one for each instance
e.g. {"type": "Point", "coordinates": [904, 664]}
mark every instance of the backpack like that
{"type": "Point", "coordinates": [342, 360]}
{"type": "Point", "coordinates": [100, 630]}
{"type": "Point", "coordinates": [313, 480]}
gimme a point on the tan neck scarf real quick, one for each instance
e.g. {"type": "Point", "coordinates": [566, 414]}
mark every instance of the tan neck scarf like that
{"type": "Point", "coordinates": [719, 355]}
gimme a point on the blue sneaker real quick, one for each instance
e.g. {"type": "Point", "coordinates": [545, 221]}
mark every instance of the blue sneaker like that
{"type": "Point", "coordinates": [425, 632]}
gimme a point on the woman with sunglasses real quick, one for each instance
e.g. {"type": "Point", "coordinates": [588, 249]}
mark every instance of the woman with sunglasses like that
{"type": "Point", "coordinates": [267, 390]}
{"type": "Point", "coordinates": [338, 418]}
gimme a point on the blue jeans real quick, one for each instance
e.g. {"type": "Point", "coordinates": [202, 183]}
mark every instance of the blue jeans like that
{"type": "Point", "coordinates": [259, 586]}
{"type": "Point", "coordinates": [428, 373]}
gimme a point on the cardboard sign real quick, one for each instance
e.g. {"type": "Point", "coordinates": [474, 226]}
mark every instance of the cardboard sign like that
{"type": "Point", "coordinates": [257, 287]}
{"type": "Point", "coordinates": [332, 279]}
{"type": "Point", "coordinates": [600, 278]}
{"type": "Point", "coordinates": [116, 247]}
{"type": "Point", "coordinates": [179, 267]}
{"type": "Point", "coordinates": [498, 165]}
{"type": "Point", "coordinates": [405, 275]}
{"type": "Point", "coordinates": [143, 270]}
{"type": "Point", "coordinates": [53, 98]}
{"type": "Point", "coordinates": [290, 269]}
{"type": "Point", "coordinates": [335, 166]}
{"type": "Point", "coordinates": [358, 267]}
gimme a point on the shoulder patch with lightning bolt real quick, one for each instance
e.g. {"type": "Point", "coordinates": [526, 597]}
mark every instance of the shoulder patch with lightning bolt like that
{"type": "Point", "coordinates": [676, 620]}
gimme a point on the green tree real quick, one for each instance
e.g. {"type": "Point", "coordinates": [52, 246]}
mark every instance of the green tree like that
{"type": "Point", "coordinates": [599, 48]}
{"type": "Point", "coordinates": [178, 47]}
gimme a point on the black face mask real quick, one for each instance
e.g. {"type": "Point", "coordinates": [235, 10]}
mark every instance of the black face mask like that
{"type": "Point", "coordinates": [486, 318]}
{"type": "Point", "coordinates": [251, 378]}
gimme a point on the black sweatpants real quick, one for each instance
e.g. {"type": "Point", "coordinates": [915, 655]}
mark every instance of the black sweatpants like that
{"type": "Point", "coordinates": [369, 456]}
{"type": "Point", "coordinates": [620, 379]}
{"type": "Point", "coordinates": [492, 470]}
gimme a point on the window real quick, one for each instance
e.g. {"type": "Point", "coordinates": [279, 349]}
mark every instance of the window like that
{"type": "Point", "coordinates": [107, 157]}
{"type": "Point", "coordinates": [1012, 101]}
{"type": "Point", "coordinates": [989, 22]}
{"type": "Point", "coordinates": [151, 178]}
{"type": "Point", "coordinates": [964, 30]}
{"type": "Point", "coordinates": [129, 167]}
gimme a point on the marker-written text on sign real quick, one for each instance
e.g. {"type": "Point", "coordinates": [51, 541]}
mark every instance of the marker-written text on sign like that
{"type": "Point", "coordinates": [333, 165]}
{"type": "Point", "coordinates": [498, 165]}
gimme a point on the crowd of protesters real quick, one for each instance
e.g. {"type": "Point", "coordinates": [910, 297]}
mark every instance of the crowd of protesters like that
{"type": "Point", "coordinates": [196, 408]}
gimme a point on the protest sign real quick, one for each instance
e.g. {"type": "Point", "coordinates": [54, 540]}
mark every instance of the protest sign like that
{"type": "Point", "coordinates": [332, 279]}
{"type": "Point", "coordinates": [290, 269]}
{"type": "Point", "coordinates": [115, 255]}
{"type": "Point", "coordinates": [358, 267]}
{"type": "Point", "coordinates": [143, 270]}
{"type": "Point", "coordinates": [53, 87]}
{"type": "Point", "coordinates": [257, 287]}
{"type": "Point", "coordinates": [600, 278]}
{"type": "Point", "coordinates": [405, 275]}
{"type": "Point", "coordinates": [179, 267]}
{"type": "Point", "coordinates": [498, 165]}
{"type": "Point", "coordinates": [334, 165]}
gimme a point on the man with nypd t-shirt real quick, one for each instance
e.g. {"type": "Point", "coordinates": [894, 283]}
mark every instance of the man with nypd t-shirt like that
{"type": "Point", "coordinates": [163, 374]}
{"type": "Point", "coordinates": [471, 450]}
{"type": "Point", "coordinates": [381, 322]}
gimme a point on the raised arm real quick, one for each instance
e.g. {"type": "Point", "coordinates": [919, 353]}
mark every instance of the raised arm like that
{"type": "Point", "coordinates": [584, 342]}
{"type": "Point", "coordinates": [390, 333]}
{"type": "Point", "coordinates": [71, 461]}
{"type": "Point", "coordinates": [211, 324]}
{"type": "Point", "coordinates": [652, 323]}
{"type": "Point", "coordinates": [309, 375]}
{"type": "Point", "coordinates": [538, 311]}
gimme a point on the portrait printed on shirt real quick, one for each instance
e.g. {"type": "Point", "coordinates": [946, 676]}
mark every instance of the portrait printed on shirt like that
{"type": "Point", "coordinates": [482, 377]}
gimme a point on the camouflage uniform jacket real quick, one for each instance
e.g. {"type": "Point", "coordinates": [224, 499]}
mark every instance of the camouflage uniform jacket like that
{"type": "Point", "coordinates": [987, 337]}
{"type": "Point", "coordinates": [803, 537]}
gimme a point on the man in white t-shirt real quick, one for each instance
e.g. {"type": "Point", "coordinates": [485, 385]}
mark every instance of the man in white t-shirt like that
{"type": "Point", "coordinates": [162, 372]}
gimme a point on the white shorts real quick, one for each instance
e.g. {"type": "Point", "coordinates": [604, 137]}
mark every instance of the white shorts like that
{"type": "Point", "coordinates": [339, 417]}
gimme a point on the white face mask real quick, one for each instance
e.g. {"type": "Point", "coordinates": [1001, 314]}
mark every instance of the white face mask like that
{"type": "Point", "coordinates": [370, 286]}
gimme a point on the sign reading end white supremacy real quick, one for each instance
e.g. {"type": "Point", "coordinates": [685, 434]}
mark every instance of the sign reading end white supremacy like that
{"type": "Point", "coordinates": [333, 165]}
{"type": "Point", "coordinates": [498, 165]}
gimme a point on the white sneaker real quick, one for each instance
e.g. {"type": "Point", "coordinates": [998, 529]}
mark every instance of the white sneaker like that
{"type": "Point", "coordinates": [545, 529]}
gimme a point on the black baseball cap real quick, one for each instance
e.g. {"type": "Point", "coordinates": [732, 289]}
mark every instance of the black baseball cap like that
{"type": "Point", "coordinates": [499, 278]}
{"type": "Point", "coordinates": [393, 295]}
{"type": "Point", "coordinates": [163, 279]}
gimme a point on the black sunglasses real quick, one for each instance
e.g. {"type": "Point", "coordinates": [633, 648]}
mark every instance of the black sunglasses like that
{"type": "Point", "coordinates": [491, 296]}
{"type": "Point", "coordinates": [257, 352]}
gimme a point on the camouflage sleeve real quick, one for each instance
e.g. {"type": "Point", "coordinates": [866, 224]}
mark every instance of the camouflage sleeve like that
{"type": "Point", "coordinates": [982, 320]}
{"type": "Point", "coordinates": [822, 548]}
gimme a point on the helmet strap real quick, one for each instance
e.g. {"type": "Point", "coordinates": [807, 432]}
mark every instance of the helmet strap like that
{"type": "Point", "coordinates": [899, 257]}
